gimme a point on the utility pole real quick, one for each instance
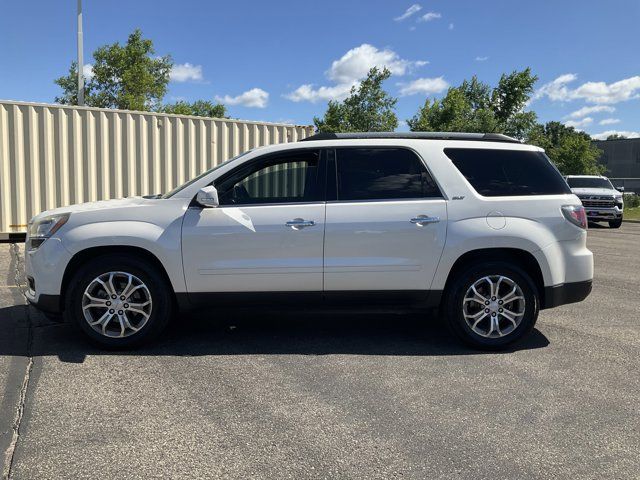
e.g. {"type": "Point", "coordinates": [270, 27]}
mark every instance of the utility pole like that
{"type": "Point", "coordinates": [80, 57]}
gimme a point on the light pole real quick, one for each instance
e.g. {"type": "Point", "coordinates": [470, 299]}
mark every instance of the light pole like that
{"type": "Point", "coordinates": [80, 57]}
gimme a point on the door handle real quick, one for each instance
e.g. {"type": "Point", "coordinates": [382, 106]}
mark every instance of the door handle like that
{"type": "Point", "coordinates": [422, 220]}
{"type": "Point", "coordinates": [300, 223]}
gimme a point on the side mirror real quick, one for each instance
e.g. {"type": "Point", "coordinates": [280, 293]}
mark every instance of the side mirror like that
{"type": "Point", "coordinates": [620, 189]}
{"type": "Point", "coordinates": [208, 197]}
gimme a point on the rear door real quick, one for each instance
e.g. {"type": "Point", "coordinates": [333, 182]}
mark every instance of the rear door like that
{"type": "Point", "coordinates": [386, 224]}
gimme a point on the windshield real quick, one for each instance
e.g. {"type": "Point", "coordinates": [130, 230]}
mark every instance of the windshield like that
{"type": "Point", "coordinates": [584, 182]}
{"type": "Point", "coordinates": [202, 175]}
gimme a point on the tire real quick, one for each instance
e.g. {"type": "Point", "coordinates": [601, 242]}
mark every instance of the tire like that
{"type": "Point", "coordinates": [464, 309]}
{"type": "Point", "coordinates": [90, 286]}
{"type": "Point", "coordinates": [615, 223]}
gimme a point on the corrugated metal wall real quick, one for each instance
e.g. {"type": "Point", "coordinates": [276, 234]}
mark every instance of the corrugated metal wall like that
{"type": "Point", "coordinates": [52, 155]}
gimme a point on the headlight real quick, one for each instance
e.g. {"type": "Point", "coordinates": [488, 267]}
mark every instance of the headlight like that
{"type": "Point", "coordinates": [41, 229]}
{"type": "Point", "coordinates": [618, 198]}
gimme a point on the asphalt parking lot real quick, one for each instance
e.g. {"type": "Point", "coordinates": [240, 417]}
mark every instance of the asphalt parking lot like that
{"type": "Point", "coordinates": [266, 395]}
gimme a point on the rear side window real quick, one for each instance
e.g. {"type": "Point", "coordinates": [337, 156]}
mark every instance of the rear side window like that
{"type": "Point", "coordinates": [382, 174]}
{"type": "Point", "coordinates": [502, 173]}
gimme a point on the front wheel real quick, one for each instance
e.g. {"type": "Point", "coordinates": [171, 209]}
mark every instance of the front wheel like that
{"type": "Point", "coordinates": [492, 305]}
{"type": "Point", "coordinates": [615, 223]}
{"type": "Point", "coordinates": [119, 301]}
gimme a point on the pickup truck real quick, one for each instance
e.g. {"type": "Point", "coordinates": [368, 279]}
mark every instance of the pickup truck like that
{"type": "Point", "coordinates": [601, 200]}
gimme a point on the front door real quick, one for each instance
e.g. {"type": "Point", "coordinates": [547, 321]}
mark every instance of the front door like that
{"type": "Point", "coordinates": [386, 227]}
{"type": "Point", "coordinates": [266, 235]}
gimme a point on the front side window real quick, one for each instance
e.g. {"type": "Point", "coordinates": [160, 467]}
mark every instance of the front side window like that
{"type": "Point", "coordinates": [285, 178]}
{"type": "Point", "coordinates": [501, 173]}
{"type": "Point", "coordinates": [382, 174]}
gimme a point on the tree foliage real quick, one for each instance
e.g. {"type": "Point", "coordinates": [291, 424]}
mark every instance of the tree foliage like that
{"type": "Point", "coordinates": [126, 76]}
{"type": "Point", "coordinates": [572, 151]}
{"type": "Point", "coordinates": [199, 108]}
{"type": "Point", "coordinates": [616, 136]}
{"type": "Point", "coordinates": [475, 107]}
{"type": "Point", "coordinates": [368, 108]}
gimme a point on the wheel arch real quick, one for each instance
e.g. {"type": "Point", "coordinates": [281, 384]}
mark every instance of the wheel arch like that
{"type": "Point", "coordinates": [82, 256]}
{"type": "Point", "coordinates": [519, 257]}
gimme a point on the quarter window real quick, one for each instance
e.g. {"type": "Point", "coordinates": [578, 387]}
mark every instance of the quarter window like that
{"type": "Point", "coordinates": [286, 178]}
{"type": "Point", "coordinates": [382, 174]}
{"type": "Point", "coordinates": [501, 173]}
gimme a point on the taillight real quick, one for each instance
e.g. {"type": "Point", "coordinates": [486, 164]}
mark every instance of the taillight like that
{"type": "Point", "coordinates": [576, 215]}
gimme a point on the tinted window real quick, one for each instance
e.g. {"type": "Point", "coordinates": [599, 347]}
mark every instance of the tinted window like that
{"type": "Point", "coordinates": [596, 182]}
{"type": "Point", "coordinates": [291, 177]}
{"type": "Point", "coordinates": [498, 173]}
{"type": "Point", "coordinates": [382, 173]}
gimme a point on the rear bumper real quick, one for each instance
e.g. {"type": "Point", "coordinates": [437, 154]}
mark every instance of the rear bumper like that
{"type": "Point", "coordinates": [566, 293]}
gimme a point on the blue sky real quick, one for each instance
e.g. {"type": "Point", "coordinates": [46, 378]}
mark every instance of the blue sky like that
{"type": "Point", "coordinates": [282, 60]}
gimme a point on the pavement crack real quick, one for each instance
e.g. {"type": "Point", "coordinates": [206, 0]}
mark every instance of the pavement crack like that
{"type": "Point", "coordinates": [22, 398]}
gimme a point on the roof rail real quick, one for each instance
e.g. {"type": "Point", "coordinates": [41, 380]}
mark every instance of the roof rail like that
{"type": "Point", "coordinates": [479, 137]}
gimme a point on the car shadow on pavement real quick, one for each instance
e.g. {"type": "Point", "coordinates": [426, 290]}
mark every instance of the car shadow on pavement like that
{"type": "Point", "coordinates": [256, 332]}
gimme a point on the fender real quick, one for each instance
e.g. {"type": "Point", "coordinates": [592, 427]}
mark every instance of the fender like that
{"type": "Point", "coordinates": [164, 242]}
{"type": "Point", "coordinates": [471, 234]}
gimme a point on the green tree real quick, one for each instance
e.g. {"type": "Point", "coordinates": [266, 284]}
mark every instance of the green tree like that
{"type": "Point", "coordinates": [368, 108]}
{"type": "Point", "coordinates": [616, 136]}
{"type": "Point", "coordinates": [199, 108]}
{"type": "Point", "coordinates": [475, 107]}
{"type": "Point", "coordinates": [573, 152]}
{"type": "Point", "coordinates": [126, 76]}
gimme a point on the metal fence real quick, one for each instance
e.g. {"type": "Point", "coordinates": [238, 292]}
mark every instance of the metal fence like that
{"type": "Point", "coordinates": [53, 155]}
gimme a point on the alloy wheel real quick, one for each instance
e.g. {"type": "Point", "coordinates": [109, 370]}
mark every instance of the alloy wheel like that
{"type": "Point", "coordinates": [117, 304]}
{"type": "Point", "coordinates": [493, 306]}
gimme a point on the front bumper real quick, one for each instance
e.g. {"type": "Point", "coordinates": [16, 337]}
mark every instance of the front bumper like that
{"type": "Point", "coordinates": [566, 293]}
{"type": "Point", "coordinates": [602, 214]}
{"type": "Point", "coordinates": [46, 303]}
{"type": "Point", "coordinates": [44, 269]}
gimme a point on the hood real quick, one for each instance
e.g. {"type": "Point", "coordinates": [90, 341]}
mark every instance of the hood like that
{"type": "Point", "coordinates": [595, 191]}
{"type": "Point", "coordinates": [99, 205]}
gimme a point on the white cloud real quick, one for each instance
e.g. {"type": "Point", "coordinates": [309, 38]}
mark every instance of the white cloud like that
{"type": "Point", "coordinates": [355, 64]}
{"type": "Point", "coordinates": [601, 92]}
{"type": "Point", "coordinates": [584, 111]}
{"type": "Point", "coordinates": [306, 93]}
{"type": "Point", "coordinates": [579, 123]}
{"type": "Point", "coordinates": [609, 121]}
{"type": "Point", "coordinates": [256, 97]}
{"type": "Point", "coordinates": [482, 59]}
{"type": "Point", "coordinates": [415, 8]}
{"type": "Point", "coordinates": [592, 92]}
{"type": "Point", "coordinates": [451, 26]}
{"type": "Point", "coordinates": [427, 17]}
{"type": "Point", "coordinates": [349, 69]}
{"type": "Point", "coordinates": [557, 89]}
{"type": "Point", "coordinates": [87, 71]}
{"type": "Point", "coordinates": [624, 133]}
{"type": "Point", "coordinates": [425, 86]}
{"type": "Point", "coordinates": [185, 72]}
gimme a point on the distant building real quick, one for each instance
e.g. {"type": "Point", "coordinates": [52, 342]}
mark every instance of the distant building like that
{"type": "Point", "coordinates": [622, 159]}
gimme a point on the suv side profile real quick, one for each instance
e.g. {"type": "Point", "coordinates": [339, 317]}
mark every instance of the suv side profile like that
{"type": "Point", "coordinates": [601, 200]}
{"type": "Point", "coordinates": [478, 225]}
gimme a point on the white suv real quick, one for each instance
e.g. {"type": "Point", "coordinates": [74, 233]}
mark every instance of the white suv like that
{"type": "Point", "coordinates": [479, 225]}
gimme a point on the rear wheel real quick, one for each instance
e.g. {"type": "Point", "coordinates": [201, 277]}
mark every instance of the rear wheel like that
{"type": "Point", "coordinates": [119, 301]}
{"type": "Point", "coordinates": [492, 305]}
{"type": "Point", "coordinates": [615, 223]}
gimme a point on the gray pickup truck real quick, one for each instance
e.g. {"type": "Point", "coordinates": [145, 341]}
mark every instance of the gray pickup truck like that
{"type": "Point", "coordinates": [601, 200]}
